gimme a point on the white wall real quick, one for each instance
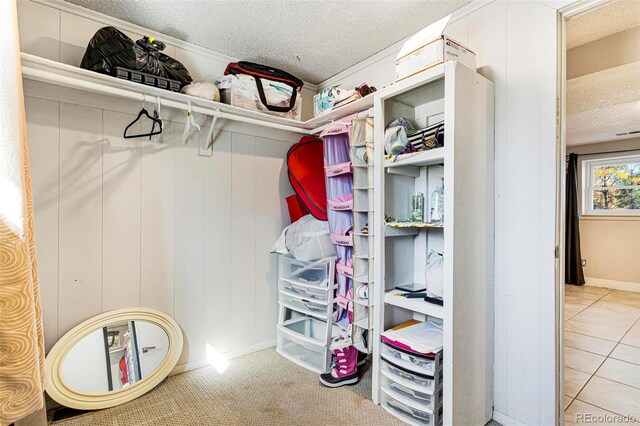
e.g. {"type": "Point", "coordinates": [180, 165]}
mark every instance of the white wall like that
{"type": "Point", "coordinates": [515, 44]}
{"type": "Point", "coordinates": [132, 223]}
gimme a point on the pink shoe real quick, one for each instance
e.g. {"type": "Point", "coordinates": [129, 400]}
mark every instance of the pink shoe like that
{"type": "Point", "coordinates": [345, 371]}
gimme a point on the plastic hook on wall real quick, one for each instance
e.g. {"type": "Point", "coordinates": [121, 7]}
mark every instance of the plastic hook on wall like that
{"type": "Point", "coordinates": [190, 122]}
{"type": "Point", "coordinates": [214, 120]}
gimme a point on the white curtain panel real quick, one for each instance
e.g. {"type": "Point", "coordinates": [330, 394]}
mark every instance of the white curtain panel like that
{"type": "Point", "coordinates": [21, 338]}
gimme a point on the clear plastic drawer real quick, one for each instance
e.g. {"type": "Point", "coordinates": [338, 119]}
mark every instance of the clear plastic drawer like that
{"type": "Point", "coordinates": [317, 273]}
{"type": "Point", "coordinates": [404, 412]}
{"type": "Point", "coordinates": [408, 378]}
{"type": "Point", "coordinates": [411, 396]}
{"type": "Point", "coordinates": [320, 295]}
{"type": "Point", "coordinates": [308, 329]}
{"type": "Point", "coordinates": [308, 355]}
{"type": "Point", "coordinates": [420, 364]}
{"type": "Point", "coordinates": [305, 306]}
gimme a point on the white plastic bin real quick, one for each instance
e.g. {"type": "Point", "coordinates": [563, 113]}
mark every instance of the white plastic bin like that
{"type": "Point", "coordinates": [412, 397]}
{"type": "Point", "coordinates": [417, 363]}
{"type": "Point", "coordinates": [404, 412]}
{"type": "Point", "coordinates": [312, 293]}
{"type": "Point", "coordinates": [311, 356]}
{"type": "Point", "coordinates": [307, 329]}
{"type": "Point", "coordinates": [317, 273]}
{"type": "Point", "coordinates": [420, 382]}
{"type": "Point", "coordinates": [305, 306]}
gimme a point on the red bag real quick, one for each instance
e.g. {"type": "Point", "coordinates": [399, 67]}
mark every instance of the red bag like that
{"type": "Point", "coordinates": [305, 161]}
{"type": "Point", "coordinates": [296, 208]}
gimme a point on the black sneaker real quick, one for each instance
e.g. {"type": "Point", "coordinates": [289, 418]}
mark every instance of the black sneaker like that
{"type": "Point", "coordinates": [329, 381]}
{"type": "Point", "coordinates": [362, 359]}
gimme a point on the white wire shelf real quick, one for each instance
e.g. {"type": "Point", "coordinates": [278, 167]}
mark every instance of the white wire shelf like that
{"type": "Point", "coordinates": [52, 72]}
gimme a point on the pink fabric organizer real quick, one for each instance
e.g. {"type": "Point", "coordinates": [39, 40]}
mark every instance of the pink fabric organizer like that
{"type": "Point", "coordinates": [338, 169]}
{"type": "Point", "coordinates": [345, 302]}
{"type": "Point", "coordinates": [342, 240]}
{"type": "Point", "coordinates": [345, 270]}
{"type": "Point", "coordinates": [342, 203]}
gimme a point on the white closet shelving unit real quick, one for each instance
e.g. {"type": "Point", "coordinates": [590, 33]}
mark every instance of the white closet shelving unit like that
{"type": "Point", "coordinates": [464, 100]}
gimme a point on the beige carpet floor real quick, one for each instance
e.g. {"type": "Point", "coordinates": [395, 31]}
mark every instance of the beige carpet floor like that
{"type": "Point", "coordinates": [258, 389]}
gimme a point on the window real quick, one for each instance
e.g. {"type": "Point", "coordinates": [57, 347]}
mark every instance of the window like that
{"type": "Point", "coordinates": [611, 186]}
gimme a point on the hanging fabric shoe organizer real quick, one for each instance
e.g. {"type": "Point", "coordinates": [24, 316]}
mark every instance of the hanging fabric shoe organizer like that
{"type": "Point", "coordinates": [339, 184]}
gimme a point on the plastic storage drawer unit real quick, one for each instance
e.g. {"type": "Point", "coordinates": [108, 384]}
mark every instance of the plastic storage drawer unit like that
{"type": "Point", "coordinates": [413, 398]}
{"type": "Point", "coordinates": [421, 364]}
{"type": "Point", "coordinates": [419, 382]}
{"type": "Point", "coordinates": [316, 273]}
{"type": "Point", "coordinates": [408, 414]}
{"type": "Point", "coordinates": [314, 357]}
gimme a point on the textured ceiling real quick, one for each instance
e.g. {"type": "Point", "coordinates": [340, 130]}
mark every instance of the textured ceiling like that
{"type": "Point", "coordinates": [619, 15]}
{"type": "Point", "coordinates": [602, 104]}
{"type": "Point", "coordinates": [311, 39]}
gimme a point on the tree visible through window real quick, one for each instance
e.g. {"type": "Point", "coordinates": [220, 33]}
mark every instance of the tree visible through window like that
{"type": "Point", "coordinates": [612, 186]}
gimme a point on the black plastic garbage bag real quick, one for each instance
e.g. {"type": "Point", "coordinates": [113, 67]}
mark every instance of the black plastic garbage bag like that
{"type": "Point", "coordinates": [110, 48]}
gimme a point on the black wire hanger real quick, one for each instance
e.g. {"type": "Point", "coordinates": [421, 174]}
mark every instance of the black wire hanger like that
{"type": "Point", "coordinates": [155, 119]}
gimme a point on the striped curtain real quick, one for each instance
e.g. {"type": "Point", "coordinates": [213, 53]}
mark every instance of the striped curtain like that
{"type": "Point", "coordinates": [21, 337]}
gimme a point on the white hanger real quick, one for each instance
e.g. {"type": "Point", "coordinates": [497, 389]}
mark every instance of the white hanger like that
{"type": "Point", "coordinates": [190, 122]}
{"type": "Point", "coordinates": [214, 119]}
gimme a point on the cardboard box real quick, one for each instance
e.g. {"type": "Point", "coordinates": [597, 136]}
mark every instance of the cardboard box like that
{"type": "Point", "coordinates": [430, 47]}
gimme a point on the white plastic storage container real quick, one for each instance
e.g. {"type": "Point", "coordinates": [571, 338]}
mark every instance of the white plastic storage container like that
{"type": "Point", "coordinates": [419, 382]}
{"type": "Point", "coordinates": [414, 398]}
{"type": "Point", "coordinates": [318, 273]}
{"type": "Point", "coordinates": [408, 414]}
{"type": "Point", "coordinates": [314, 357]}
{"type": "Point", "coordinates": [413, 362]}
{"type": "Point", "coordinates": [307, 292]}
{"type": "Point", "coordinates": [305, 306]}
{"type": "Point", "coordinates": [309, 329]}
{"type": "Point", "coordinates": [240, 90]}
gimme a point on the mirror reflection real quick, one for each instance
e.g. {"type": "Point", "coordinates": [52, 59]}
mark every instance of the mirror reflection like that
{"type": "Point", "coordinates": [115, 357]}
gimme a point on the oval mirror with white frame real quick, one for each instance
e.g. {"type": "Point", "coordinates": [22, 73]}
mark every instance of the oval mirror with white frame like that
{"type": "Point", "coordinates": [113, 358]}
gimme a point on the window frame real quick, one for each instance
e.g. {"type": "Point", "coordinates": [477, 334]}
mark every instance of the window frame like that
{"type": "Point", "coordinates": [587, 189]}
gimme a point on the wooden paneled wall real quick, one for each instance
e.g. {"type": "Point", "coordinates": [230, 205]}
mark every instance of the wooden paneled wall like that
{"type": "Point", "coordinates": [135, 223]}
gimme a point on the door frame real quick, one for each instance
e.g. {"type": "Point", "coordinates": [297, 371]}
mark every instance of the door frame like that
{"type": "Point", "coordinates": [565, 13]}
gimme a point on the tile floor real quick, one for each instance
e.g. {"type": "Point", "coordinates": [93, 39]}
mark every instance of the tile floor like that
{"type": "Point", "coordinates": [601, 355]}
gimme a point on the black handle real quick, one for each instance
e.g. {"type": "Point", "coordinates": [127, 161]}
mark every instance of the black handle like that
{"type": "Point", "coordinates": [274, 108]}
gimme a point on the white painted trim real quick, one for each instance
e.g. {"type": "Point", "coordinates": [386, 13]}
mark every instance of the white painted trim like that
{"type": "Point", "coordinates": [574, 9]}
{"type": "Point", "coordinates": [465, 10]}
{"type": "Point", "coordinates": [194, 365]}
{"type": "Point", "coordinates": [505, 420]}
{"type": "Point", "coordinates": [130, 27]}
{"type": "Point", "coordinates": [616, 285]}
